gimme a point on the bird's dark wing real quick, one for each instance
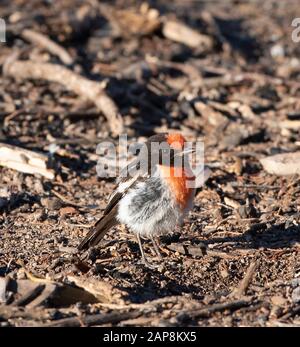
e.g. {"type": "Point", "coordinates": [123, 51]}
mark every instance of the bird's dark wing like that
{"type": "Point", "coordinates": [98, 231]}
{"type": "Point", "coordinates": [108, 220]}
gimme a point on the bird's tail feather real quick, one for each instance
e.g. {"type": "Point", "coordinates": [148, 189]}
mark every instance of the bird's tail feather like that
{"type": "Point", "coordinates": [96, 234]}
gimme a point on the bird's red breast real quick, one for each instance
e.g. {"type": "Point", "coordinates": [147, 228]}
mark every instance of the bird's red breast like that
{"type": "Point", "coordinates": [178, 179]}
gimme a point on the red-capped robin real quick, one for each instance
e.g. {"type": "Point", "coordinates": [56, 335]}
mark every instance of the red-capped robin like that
{"type": "Point", "coordinates": [153, 196]}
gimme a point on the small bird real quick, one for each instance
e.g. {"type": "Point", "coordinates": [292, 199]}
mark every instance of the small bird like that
{"type": "Point", "coordinates": [153, 195]}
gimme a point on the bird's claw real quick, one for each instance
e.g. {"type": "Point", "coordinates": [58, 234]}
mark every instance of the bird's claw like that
{"type": "Point", "coordinates": [149, 265]}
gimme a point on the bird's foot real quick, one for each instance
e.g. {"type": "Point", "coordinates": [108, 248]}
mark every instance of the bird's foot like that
{"type": "Point", "coordinates": [158, 256]}
{"type": "Point", "coordinates": [157, 248]}
{"type": "Point", "coordinates": [149, 265]}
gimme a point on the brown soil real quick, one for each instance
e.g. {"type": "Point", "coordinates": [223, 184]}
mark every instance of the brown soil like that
{"type": "Point", "coordinates": [242, 240]}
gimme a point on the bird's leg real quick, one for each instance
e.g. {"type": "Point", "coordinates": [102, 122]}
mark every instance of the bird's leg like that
{"type": "Point", "coordinates": [144, 259]}
{"type": "Point", "coordinates": [156, 248]}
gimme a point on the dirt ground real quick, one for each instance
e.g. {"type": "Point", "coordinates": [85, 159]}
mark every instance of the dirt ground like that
{"type": "Point", "coordinates": [236, 260]}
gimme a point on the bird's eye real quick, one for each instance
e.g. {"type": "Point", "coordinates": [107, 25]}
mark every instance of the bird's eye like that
{"type": "Point", "coordinates": [165, 150]}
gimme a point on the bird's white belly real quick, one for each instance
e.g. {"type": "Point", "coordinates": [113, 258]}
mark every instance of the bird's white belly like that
{"type": "Point", "coordinates": [150, 209]}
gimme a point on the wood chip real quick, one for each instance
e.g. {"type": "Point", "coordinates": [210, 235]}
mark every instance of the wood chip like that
{"type": "Point", "coordinates": [232, 203]}
{"type": "Point", "coordinates": [179, 32]}
{"type": "Point", "coordinates": [278, 300]}
{"type": "Point", "coordinates": [282, 164]}
{"type": "Point", "coordinates": [130, 22]}
{"type": "Point", "coordinates": [67, 210]}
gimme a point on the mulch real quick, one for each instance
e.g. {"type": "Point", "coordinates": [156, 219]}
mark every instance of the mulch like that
{"type": "Point", "coordinates": [236, 260]}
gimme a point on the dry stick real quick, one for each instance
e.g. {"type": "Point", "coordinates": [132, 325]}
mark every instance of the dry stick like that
{"type": "Point", "coordinates": [91, 90]}
{"type": "Point", "coordinates": [66, 200]}
{"type": "Point", "coordinates": [96, 319]}
{"type": "Point", "coordinates": [7, 116]}
{"type": "Point", "coordinates": [207, 311]}
{"type": "Point", "coordinates": [241, 289]}
{"type": "Point", "coordinates": [51, 46]}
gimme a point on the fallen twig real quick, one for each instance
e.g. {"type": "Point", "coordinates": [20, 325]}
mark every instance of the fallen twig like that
{"type": "Point", "coordinates": [66, 200]}
{"type": "Point", "coordinates": [26, 161]}
{"type": "Point", "coordinates": [207, 311]}
{"type": "Point", "coordinates": [198, 251]}
{"type": "Point", "coordinates": [96, 319]}
{"type": "Point", "coordinates": [91, 90]}
{"type": "Point", "coordinates": [241, 289]}
{"type": "Point", "coordinates": [48, 44]}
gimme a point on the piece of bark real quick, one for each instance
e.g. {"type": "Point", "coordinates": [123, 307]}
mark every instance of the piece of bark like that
{"type": "Point", "coordinates": [35, 293]}
{"type": "Point", "coordinates": [48, 44]}
{"type": "Point", "coordinates": [26, 161]}
{"type": "Point", "coordinates": [282, 164]}
{"type": "Point", "coordinates": [32, 293]}
{"type": "Point", "coordinates": [194, 251]}
{"type": "Point", "coordinates": [66, 295]}
{"type": "Point", "coordinates": [103, 291]}
{"type": "Point", "coordinates": [91, 90]}
{"type": "Point", "coordinates": [179, 32]}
